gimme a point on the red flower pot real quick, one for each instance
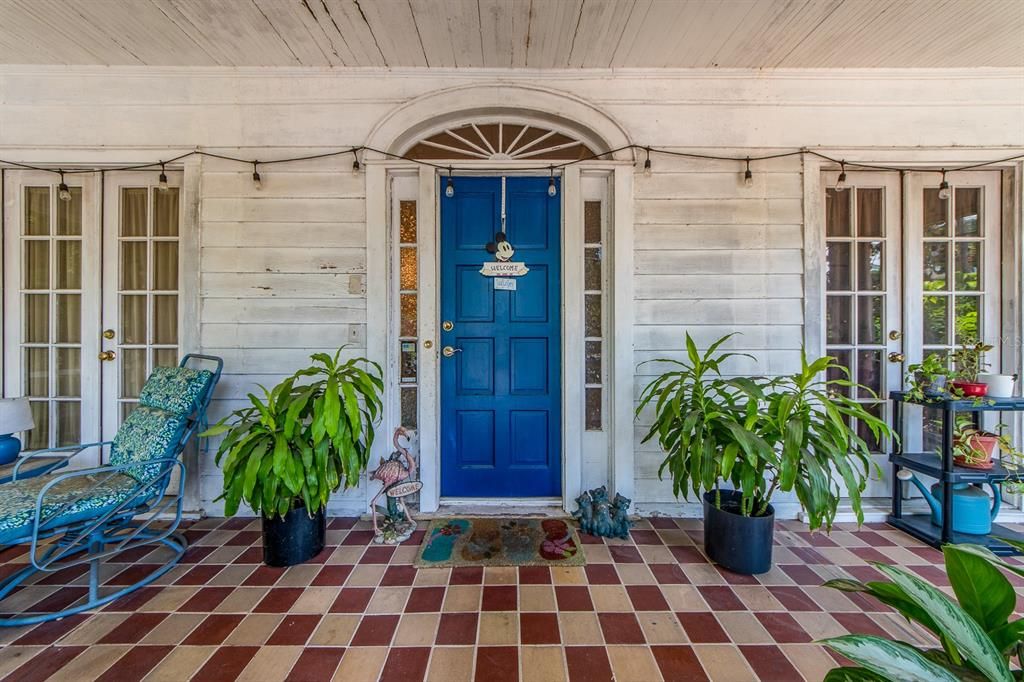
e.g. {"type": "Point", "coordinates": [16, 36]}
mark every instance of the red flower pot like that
{"type": "Point", "coordinates": [970, 389]}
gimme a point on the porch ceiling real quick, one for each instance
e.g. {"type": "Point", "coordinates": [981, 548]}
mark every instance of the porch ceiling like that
{"type": "Point", "coordinates": [544, 34]}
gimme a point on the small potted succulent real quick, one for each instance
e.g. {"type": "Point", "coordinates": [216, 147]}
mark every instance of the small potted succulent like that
{"type": "Point", "coordinates": [927, 379]}
{"type": "Point", "coordinates": [297, 444]}
{"type": "Point", "coordinates": [969, 361]}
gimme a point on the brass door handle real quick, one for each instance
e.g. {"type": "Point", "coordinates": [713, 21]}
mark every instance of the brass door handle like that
{"type": "Point", "coordinates": [448, 351]}
{"type": "Point", "coordinates": [897, 357]}
{"type": "Point", "coordinates": [107, 355]}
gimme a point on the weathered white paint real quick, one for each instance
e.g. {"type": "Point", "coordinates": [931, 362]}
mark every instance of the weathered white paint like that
{"type": "Point", "coordinates": [285, 270]}
{"type": "Point", "coordinates": [493, 33]}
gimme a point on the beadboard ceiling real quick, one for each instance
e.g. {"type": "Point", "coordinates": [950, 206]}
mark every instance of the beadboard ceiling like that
{"type": "Point", "coordinates": [534, 34]}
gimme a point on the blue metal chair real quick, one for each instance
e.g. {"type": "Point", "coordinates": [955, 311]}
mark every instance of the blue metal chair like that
{"type": "Point", "coordinates": [86, 515]}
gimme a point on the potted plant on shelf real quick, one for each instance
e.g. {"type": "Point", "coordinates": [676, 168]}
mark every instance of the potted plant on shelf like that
{"type": "Point", "coordinates": [927, 379]}
{"type": "Point", "coordinates": [969, 361]}
{"type": "Point", "coordinates": [296, 445]}
{"type": "Point", "coordinates": [762, 436]}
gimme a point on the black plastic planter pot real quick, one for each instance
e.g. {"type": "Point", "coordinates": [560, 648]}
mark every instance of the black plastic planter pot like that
{"type": "Point", "coordinates": [741, 544]}
{"type": "Point", "coordinates": [294, 539]}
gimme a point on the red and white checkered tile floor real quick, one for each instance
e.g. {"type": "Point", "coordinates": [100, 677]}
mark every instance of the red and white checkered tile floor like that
{"type": "Point", "coordinates": [647, 609]}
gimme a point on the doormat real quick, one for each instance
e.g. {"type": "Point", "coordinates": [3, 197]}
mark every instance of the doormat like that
{"type": "Point", "coordinates": [500, 542]}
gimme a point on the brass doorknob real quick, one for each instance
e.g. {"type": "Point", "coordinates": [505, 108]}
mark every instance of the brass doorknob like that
{"type": "Point", "coordinates": [107, 355]}
{"type": "Point", "coordinates": [448, 351]}
{"type": "Point", "coordinates": [897, 357]}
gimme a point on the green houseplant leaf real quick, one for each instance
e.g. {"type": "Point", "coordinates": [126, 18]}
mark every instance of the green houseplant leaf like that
{"type": "Point", "coordinates": [981, 588]}
{"type": "Point", "coordinates": [301, 440]}
{"type": "Point", "coordinates": [890, 660]}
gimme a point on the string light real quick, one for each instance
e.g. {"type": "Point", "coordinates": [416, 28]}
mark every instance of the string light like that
{"type": "Point", "coordinates": [63, 193]}
{"type": "Point", "coordinates": [552, 190]}
{"type": "Point", "coordinates": [841, 183]}
{"type": "Point", "coordinates": [256, 180]}
{"type": "Point", "coordinates": [944, 187]}
{"type": "Point", "coordinates": [449, 190]}
{"type": "Point", "coordinates": [647, 163]}
{"type": "Point", "coordinates": [162, 184]}
{"type": "Point", "coordinates": [748, 177]}
{"type": "Point", "coordinates": [355, 162]}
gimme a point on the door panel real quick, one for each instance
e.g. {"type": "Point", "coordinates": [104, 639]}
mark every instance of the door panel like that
{"type": "Point", "coordinates": [501, 390]}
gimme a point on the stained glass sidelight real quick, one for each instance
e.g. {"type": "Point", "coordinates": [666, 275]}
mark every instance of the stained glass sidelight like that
{"type": "Point", "coordinates": [408, 339]}
{"type": "Point", "coordinates": [593, 305]}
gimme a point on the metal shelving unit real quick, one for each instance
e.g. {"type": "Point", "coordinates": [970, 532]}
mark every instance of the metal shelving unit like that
{"type": "Point", "coordinates": [942, 467]}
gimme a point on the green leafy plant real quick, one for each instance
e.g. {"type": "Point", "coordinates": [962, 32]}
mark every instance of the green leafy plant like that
{"type": "Point", "coordinates": [969, 360]}
{"type": "Point", "coordinates": [927, 378]}
{"type": "Point", "coordinates": [300, 441]}
{"type": "Point", "coordinates": [976, 636]}
{"type": "Point", "coordinates": [791, 433]}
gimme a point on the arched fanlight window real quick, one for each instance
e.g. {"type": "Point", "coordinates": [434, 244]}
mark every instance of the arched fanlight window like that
{"type": "Point", "coordinates": [500, 141]}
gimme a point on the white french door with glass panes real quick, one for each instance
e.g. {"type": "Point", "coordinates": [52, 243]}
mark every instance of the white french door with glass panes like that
{"type": "Point", "coordinates": [91, 296]}
{"type": "Point", "coordinates": [863, 302]}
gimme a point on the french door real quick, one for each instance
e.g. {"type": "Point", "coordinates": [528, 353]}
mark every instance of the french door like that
{"type": "Point", "coordinates": [909, 272]}
{"type": "Point", "coordinates": [91, 295]}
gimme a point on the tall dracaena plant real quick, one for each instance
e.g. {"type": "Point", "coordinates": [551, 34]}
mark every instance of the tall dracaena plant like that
{"type": "Point", "coordinates": [791, 433]}
{"type": "Point", "coordinates": [301, 440]}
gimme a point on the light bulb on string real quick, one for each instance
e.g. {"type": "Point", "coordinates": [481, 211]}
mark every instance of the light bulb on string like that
{"type": "Point", "coordinates": [356, 167]}
{"type": "Point", "coordinates": [944, 192]}
{"type": "Point", "coordinates": [63, 193]}
{"type": "Point", "coordinates": [256, 179]}
{"type": "Point", "coordinates": [552, 190]}
{"type": "Point", "coordinates": [841, 183]}
{"type": "Point", "coordinates": [748, 177]}
{"type": "Point", "coordinates": [647, 163]}
{"type": "Point", "coordinates": [449, 190]}
{"type": "Point", "coordinates": [162, 183]}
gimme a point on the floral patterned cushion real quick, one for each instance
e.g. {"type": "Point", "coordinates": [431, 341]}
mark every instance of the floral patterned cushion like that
{"type": "Point", "coordinates": [148, 433]}
{"type": "Point", "coordinates": [175, 389]}
{"type": "Point", "coordinates": [97, 493]}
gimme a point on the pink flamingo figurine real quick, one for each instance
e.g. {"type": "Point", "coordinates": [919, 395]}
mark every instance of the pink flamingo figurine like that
{"type": "Point", "coordinates": [390, 473]}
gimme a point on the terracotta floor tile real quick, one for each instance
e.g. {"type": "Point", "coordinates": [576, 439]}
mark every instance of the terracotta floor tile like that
{"type": "Point", "coordinates": [573, 598]}
{"type": "Point", "coordinates": [278, 600]}
{"type": "Point", "coordinates": [352, 600]}
{"type": "Point", "coordinates": [316, 664]}
{"type": "Point", "coordinates": [255, 629]}
{"type": "Point", "coordinates": [449, 663]}
{"type": "Point", "coordinates": [498, 628]}
{"type": "Point", "coordinates": [214, 629]}
{"type": "Point", "coordinates": [457, 628]}
{"type": "Point", "coordinates": [91, 663]}
{"type": "Point", "coordinates": [499, 598]}
{"type": "Point", "coordinates": [743, 627]}
{"type": "Point", "coordinates": [366, 575]}
{"type": "Point", "coordinates": [679, 663]}
{"type": "Point", "coordinates": [811, 660]}
{"type": "Point", "coordinates": [315, 600]}
{"type": "Point", "coordinates": [432, 577]}
{"type": "Point", "coordinates": [135, 663]}
{"type": "Point", "coordinates": [771, 664]}
{"type": "Point", "coordinates": [206, 599]}
{"type": "Point", "coordinates": [783, 628]}
{"type": "Point", "coordinates": [294, 630]}
{"type": "Point", "coordinates": [538, 628]}
{"type": "Point", "coordinates": [668, 574]}
{"type": "Point", "coordinates": [170, 598]}
{"type": "Point", "coordinates": [647, 598]}
{"type": "Point", "coordinates": [542, 663]}
{"type": "Point", "coordinates": [241, 600]}
{"type": "Point", "coordinates": [47, 633]}
{"type": "Point", "coordinates": [534, 575]}
{"type": "Point", "coordinates": [398, 576]}
{"type": "Point", "coordinates": [133, 628]}
{"type": "Point", "coordinates": [332, 575]}
{"type": "Point", "coordinates": [588, 664]}
{"type": "Point", "coordinates": [497, 664]}
{"type": "Point", "coordinates": [721, 598]}
{"type": "Point", "coordinates": [794, 599]}
{"type": "Point", "coordinates": [375, 631]}
{"type": "Point", "coordinates": [569, 575]}
{"type": "Point", "coordinates": [602, 574]}
{"type": "Point", "coordinates": [425, 600]}
{"type": "Point", "coordinates": [724, 663]}
{"type": "Point", "coordinates": [406, 664]}
{"type": "Point", "coordinates": [702, 628]}
{"type": "Point", "coordinates": [500, 575]}
{"type": "Point", "coordinates": [633, 664]}
{"type": "Point", "coordinates": [226, 663]}
{"type": "Point", "coordinates": [661, 627]}
{"type": "Point", "coordinates": [361, 665]}
{"type": "Point", "coordinates": [45, 664]}
{"type": "Point", "coordinates": [462, 598]}
{"type": "Point", "coordinates": [467, 575]}
{"type": "Point", "coordinates": [537, 598]}
{"type": "Point", "coordinates": [621, 628]}
{"type": "Point", "coordinates": [388, 600]}
{"type": "Point", "coordinates": [179, 665]}
{"type": "Point", "coordinates": [94, 630]}
{"type": "Point", "coordinates": [173, 629]}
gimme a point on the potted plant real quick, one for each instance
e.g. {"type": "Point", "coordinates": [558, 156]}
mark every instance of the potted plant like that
{"type": "Point", "coordinates": [969, 361]}
{"type": "Point", "coordinates": [761, 436]}
{"type": "Point", "coordinates": [296, 445]}
{"type": "Point", "coordinates": [927, 379]}
{"type": "Point", "coordinates": [972, 447]}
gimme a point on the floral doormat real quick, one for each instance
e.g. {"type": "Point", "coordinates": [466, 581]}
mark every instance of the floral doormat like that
{"type": "Point", "coordinates": [500, 542]}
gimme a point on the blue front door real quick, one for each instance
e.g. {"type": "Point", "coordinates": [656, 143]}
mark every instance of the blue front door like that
{"type": "Point", "coordinates": [501, 388]}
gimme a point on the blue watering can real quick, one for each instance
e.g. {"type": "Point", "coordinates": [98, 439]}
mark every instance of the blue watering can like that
{"type": "Point", "coordinates": [971, 511]}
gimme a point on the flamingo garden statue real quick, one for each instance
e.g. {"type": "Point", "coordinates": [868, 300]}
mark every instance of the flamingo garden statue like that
{"type": "Point", "coordinates": [397, 479]}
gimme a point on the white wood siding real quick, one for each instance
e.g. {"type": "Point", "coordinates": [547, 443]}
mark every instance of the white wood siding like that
{"type": "Point", "coordinates": [282, 275]}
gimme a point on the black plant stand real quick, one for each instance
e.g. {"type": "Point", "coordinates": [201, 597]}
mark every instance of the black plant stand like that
{"type": "Point", "coordinates": [941, 466]}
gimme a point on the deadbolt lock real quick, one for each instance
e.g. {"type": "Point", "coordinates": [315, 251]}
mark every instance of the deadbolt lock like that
{"type": "Point", "coordinates": [107, 355]}
{"type": "Point", "coordinates": [895, 335]}
{"type": "Point", "coordinates": [447, 325]}
{"type": "Point", "coordinates": [108, 333]}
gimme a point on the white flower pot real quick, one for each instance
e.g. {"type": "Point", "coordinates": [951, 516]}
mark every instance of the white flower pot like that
{"type": "Point", "coordinates": [999, 385]}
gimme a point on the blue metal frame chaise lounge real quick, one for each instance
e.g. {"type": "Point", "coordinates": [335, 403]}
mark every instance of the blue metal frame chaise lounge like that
{"type": "Point", "coordinates": [86, 515]}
